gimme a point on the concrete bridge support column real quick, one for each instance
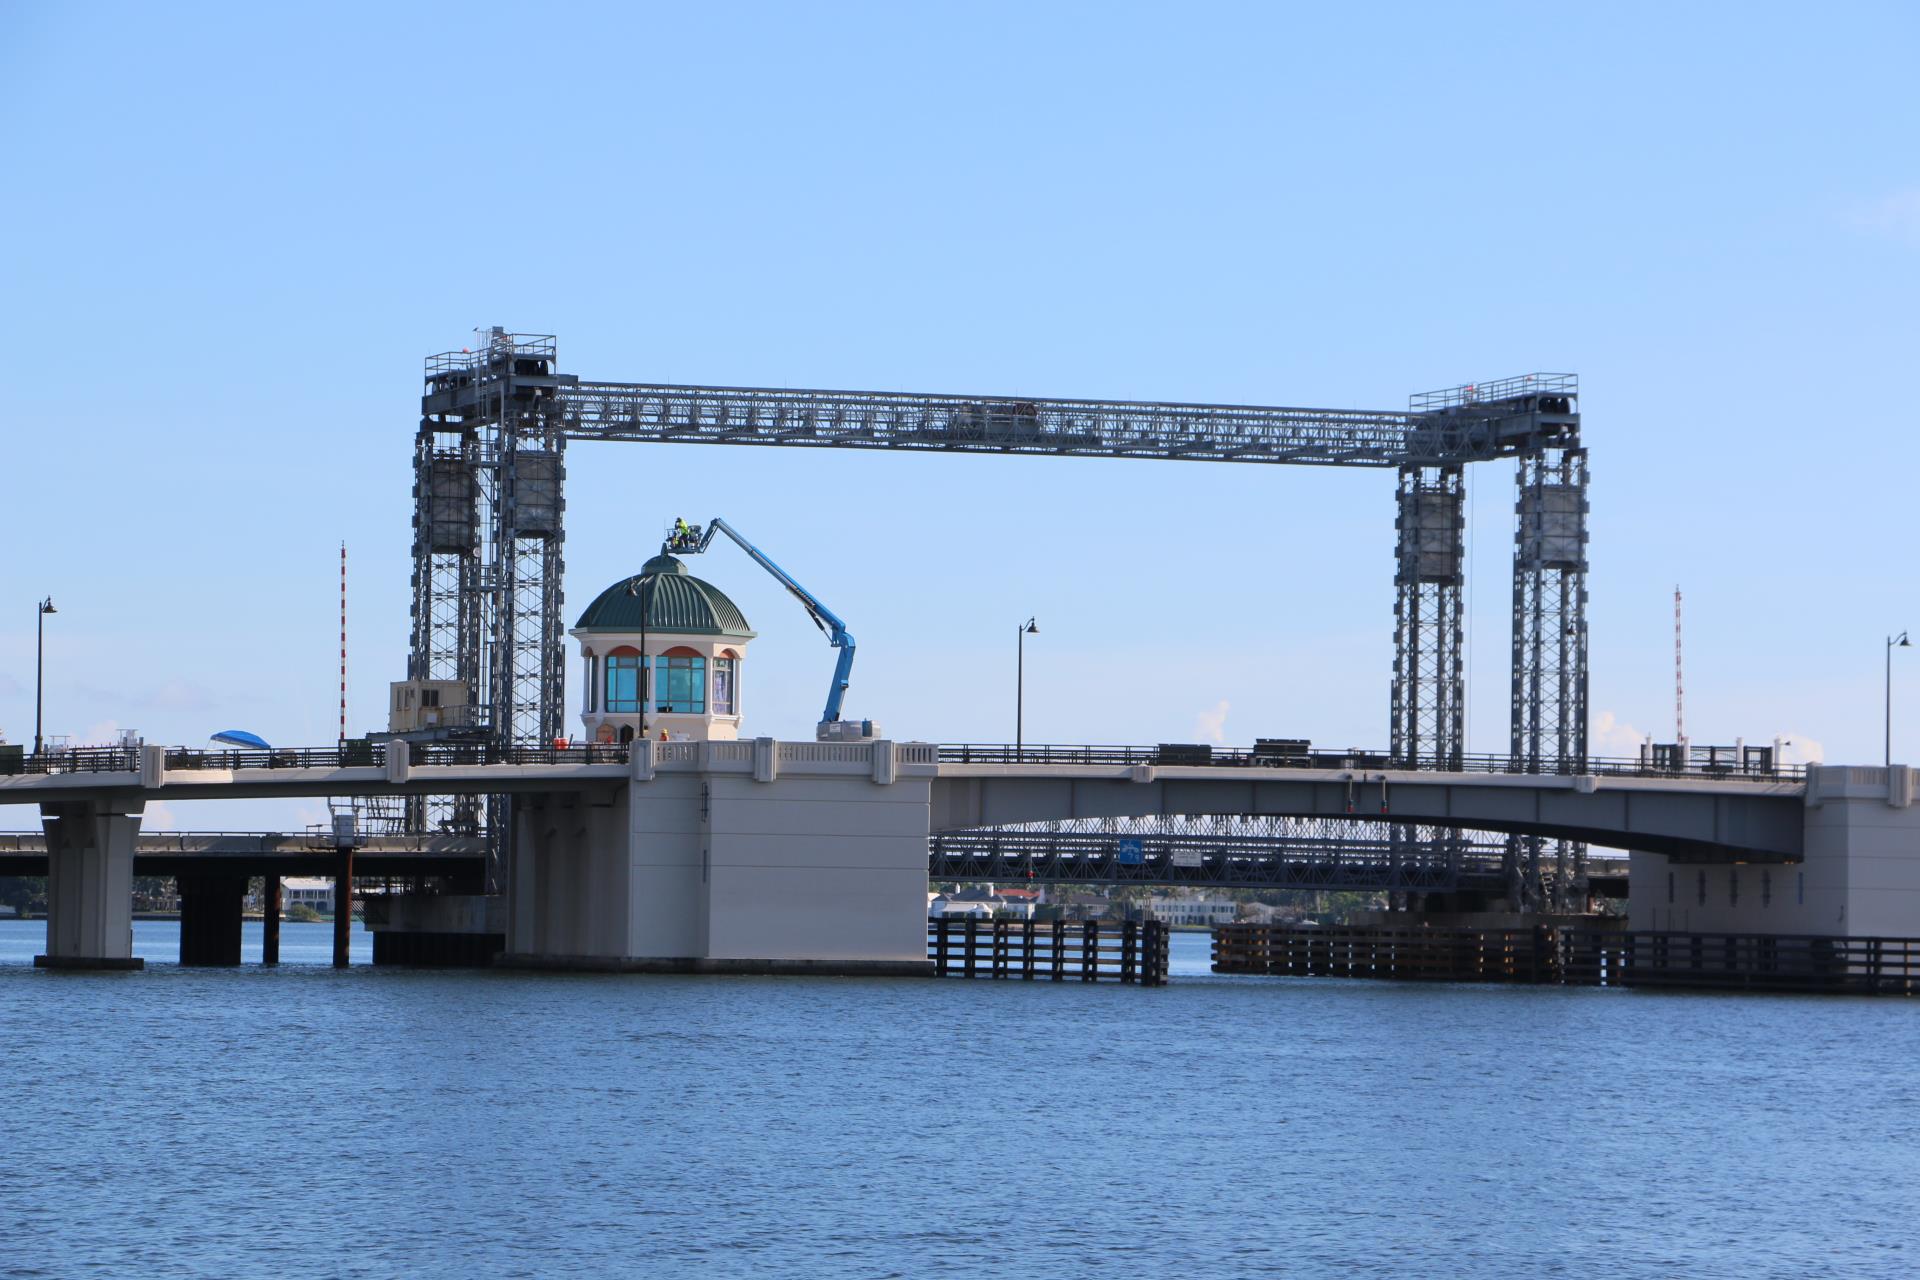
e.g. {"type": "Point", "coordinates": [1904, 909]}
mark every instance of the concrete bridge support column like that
{"type": "Point", "coordinates": [210, 911]}
{"type": "Point", "coordinates": [90, 884]}
{"type": "Point", "coordinates": [573, 878]}
{"type": "Point", "coordinates": [270, 901]}
{"type": "Point", "coordinates": [1858, 875]}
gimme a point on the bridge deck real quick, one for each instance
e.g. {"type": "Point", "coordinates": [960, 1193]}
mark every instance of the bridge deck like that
{"type": "Point", "coordinates": [1697, 816]}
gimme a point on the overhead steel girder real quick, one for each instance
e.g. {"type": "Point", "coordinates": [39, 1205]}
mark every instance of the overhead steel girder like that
{"type": "Point", "coordinates": [1464, 432]}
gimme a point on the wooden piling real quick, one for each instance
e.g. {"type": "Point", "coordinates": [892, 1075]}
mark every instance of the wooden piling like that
{"type": "Point", "coordinates": [1550, 955]}
{"type": "Point", "coordinates": [342, 907]}
{"type": "Point", "coordinates": [1134, 951]}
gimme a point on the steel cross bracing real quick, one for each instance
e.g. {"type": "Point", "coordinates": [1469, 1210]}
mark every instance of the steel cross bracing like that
{"type": "Point", "coordinates": [1549, 696]}
{"type": "Point", "coordinates": [1238, 851]}
{"type": "Point", "coordinates": [489, 466]}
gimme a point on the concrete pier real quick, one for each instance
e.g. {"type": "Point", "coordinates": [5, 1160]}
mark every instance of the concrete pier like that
{"type": "Point", "coordinates": [270, 901]}
{"type": "Point", "coordinates": [730, 857]}
{"type": "Point", "coordinates": [210, 919]}
{"type": "Point", "coordinates": [90, 847]}
{"type": "Point", "coordinates": [436, 931]}
{"type": "Point", "coordinates": [1859, 876]}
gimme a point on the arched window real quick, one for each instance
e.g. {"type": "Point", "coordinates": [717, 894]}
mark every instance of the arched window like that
{"type": "Point", "coordinates": [623, 679]}
{"type": "Point", "coordinates": [682, 684]}
{"type": "Point", "coordinates": [726, 692]}
{"type": "Point", "coordinates": [591, 672]}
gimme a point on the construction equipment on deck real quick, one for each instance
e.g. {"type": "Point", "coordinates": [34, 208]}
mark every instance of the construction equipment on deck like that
{"type": "Point", "coordinates": [692, 540]}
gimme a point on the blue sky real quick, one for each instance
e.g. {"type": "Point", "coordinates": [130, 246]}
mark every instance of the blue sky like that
{"type": "Point", "coordinates": [231, 234]}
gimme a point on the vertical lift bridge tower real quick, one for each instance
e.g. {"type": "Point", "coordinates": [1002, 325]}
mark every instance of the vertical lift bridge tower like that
{"type": "Point", "coordinates": [489, 470]}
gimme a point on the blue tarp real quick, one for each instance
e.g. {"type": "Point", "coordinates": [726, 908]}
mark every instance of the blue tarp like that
{"type": "Point", "coordinates": [241, 738]}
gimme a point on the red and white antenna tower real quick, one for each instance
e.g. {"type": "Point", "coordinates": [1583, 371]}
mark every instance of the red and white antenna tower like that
{"type": "Point", "coordinates": [1679, 680]}
{"type": "Point", "coordinates": [343, 644]}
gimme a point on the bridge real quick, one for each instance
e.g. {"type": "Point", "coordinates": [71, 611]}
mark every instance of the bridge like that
{"type": "Point", "coordinates": [490, 461]}
{"type": "Point", "coordinates": [1217, 851]}
{"type": "Point", "coordinates": [1700, 815]}
{"type": "Point", "coordinates": [690, 846]}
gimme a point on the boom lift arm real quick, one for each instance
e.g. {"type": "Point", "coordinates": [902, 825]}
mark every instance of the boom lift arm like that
{"type": "Point", "coordinates": [694, 540]}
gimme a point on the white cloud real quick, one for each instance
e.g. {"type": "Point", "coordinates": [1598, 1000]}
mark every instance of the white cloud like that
{"type": "Point", "coordinates": [106, 733]}
{"type": "Point", "coordinates": [1211, 726]}
{"type": "Point", "coordinates": [1608, 735]}
{"type": "Point", "coordinates": [1896, 215]}
{"type": "Point", "coordinates": [168, 695]}
{"type": "Point", "coordinates": [1801, 749]}
{"type": "Point", "coordinates": [158, 817]}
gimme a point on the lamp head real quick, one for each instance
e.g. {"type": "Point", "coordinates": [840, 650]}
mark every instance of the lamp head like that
{"type": "Point", "coordinates": [46, 606]}
{"type": "Point", "coordinates": [1031, 628]}
{"type": "Point", "coordinates": [1900, 640]}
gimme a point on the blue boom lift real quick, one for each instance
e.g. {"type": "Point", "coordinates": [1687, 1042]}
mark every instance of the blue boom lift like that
{"type": "Point", "coordinates": [692, 540]}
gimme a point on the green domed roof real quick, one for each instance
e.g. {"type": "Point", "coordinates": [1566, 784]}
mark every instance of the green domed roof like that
{"type": "Point", "coordinates": [673, 599]}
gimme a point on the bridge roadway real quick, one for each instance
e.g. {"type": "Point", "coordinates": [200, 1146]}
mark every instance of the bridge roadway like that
{"type": "Point", "coordinates": [269, 853]}
{"type": "Point", "coordinates": [1696, 817]}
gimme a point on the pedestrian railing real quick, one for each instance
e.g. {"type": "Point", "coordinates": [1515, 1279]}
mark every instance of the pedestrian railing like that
{"type": "Point", "coordinates": [1353, 759]}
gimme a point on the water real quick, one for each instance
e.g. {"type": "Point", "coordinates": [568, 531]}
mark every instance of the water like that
{"type": "Point", "coordinates": [380, 1122]}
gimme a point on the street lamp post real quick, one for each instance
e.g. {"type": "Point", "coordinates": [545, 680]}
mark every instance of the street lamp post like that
{"type": "Point", "coordinates": [1899, 641]}
{"type": "Point", "coordinates": [44, 608]}
{"type": "Point", "coordinates": [638, 588]}
{"type": "Point", "coordinates": [1027, 628]}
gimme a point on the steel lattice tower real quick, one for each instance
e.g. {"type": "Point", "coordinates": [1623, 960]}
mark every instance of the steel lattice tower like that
{"type": "Point", "coordinates": [1549, 697]}
{"type": "Point", "coordinates": [1429, 683]}
{"type": "Point", "coordinates": [489, 466]}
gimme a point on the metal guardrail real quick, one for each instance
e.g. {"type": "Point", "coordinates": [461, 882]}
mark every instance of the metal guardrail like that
{"type": "Point", "coordinates": [81, 760]}
{"type": "Point", "coordinates": [373, 755]}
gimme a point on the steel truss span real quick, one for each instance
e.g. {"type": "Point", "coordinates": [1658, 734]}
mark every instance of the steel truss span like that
{"type": "Point", "coordinates": [1227, 851]}
{"type": "Point", "coordinates": [489, 473]}
{"type": "Point", "coordinates": [1534, 410]}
